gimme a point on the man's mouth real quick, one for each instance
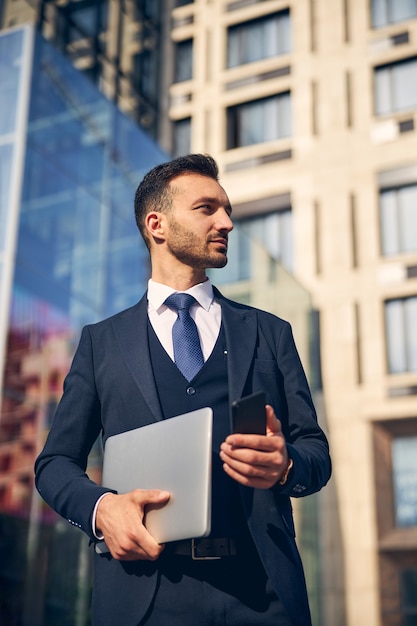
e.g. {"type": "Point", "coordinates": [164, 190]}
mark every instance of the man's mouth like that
{"type": "Point", "coordinates": [220, 241]}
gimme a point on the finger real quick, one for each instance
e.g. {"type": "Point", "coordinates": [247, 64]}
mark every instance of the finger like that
{"type": "Point", "coordinates": [134, 543]}
{"type": "Point", "coordinates": [257, 481]}
{"type": "Point", "coordinates": [251, 442]}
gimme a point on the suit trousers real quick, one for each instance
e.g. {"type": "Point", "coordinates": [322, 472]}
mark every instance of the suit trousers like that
{"type": "Point", "coordinates": [232, 591]}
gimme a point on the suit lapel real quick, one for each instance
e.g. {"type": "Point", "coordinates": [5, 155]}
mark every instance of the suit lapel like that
{"type": "Point", "coordinates": [240, 326]}
{"type": "Point", "coordinates": [131, 329]}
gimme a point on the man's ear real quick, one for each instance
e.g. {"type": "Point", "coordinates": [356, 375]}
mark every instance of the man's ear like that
{"type": "Point", "coordinates": [155, 225]}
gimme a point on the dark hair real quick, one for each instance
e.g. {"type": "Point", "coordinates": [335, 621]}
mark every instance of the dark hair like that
{"type": "Point", "coordinates": [153, 193]}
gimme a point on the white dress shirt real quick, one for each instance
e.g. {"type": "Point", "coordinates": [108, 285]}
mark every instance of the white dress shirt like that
{"type": "Point", "coordinates": [206, 313]}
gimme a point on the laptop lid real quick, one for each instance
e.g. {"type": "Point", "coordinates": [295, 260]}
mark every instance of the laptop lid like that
{"type": "Point", "coordinates": [173, 455]}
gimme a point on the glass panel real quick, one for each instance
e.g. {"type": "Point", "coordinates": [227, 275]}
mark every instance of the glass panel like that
{"type": "Point", "coordinates": [407, 218]}
{"type": "Point", "coordinates": [379, 13]}
{"type": "Point", "coordinates": [389, 222]}
{"type": "Point", "coordinates": [398, 208]}
{"type": "Point", "coordinates": [259, 39]}
{"type": "Point", "coordinates": [79, 258]}
{"type": "Point", "coordinates": [409, 589]}
{"type": "Point", "coordinates": [389, 11]}
{"type": "Point", "coordinates": [410, 321]}
{"type": "Point", "coordinates": [402, 10]}
{"type": "Point", "coordinates": [404, 85]}
{"type": "Point", "coordinates": [6, 156]}
{"type": "Point", "coordinates": [184, 60]}
{"type": "Point", "coordinates": [11, 46]}
{"type": "Point", "coordinates": [10, 56]}
{"type": "Point", "coordinates": [259, 121]}
{"type": "Point", "coordinates": [383, 89]}
{"type": "Point", "coordinates": [182, 137]}
{"type": "Point", "coordinates": [404, 467]}
{"type": "Point", "coordinates": [396, 87]}
{"type": "Point", "coordinates": [239, 259]}
{"type": "Point", "coordinates": [395, 336]}
{"type": "Point", "coordinates": [274, 232]}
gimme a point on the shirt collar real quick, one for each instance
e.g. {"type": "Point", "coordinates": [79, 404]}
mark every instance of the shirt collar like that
{"type": "Point", "coordinates": [158, 293]}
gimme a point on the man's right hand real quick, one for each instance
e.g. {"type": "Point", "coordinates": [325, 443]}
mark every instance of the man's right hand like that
{"type": "Point", "coordinates": [120, 519]}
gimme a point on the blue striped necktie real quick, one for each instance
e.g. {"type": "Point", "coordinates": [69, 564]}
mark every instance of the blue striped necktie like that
{"type": "Point", "coordinates": [187, 349]}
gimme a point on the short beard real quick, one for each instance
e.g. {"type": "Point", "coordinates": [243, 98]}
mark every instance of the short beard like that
{"type": "Point", "coordinates": [185, 246]}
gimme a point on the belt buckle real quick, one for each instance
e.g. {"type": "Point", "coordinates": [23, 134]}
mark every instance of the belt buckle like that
{"type": "Point", "coordinates": [201, 558]}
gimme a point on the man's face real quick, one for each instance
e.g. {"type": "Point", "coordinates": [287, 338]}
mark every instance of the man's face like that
{"type": "Point", "coordinates": [198, 222]}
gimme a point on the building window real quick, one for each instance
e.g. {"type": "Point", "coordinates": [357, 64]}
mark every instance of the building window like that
{"type": "Point", "coordinates": [401, 334]}
{"type": "Point", "coordinates": [404, 471]}
{"type": "Point", "coordinates": [182, 137]}
{"type": "Point", "coordinates": [391, 11]}
{"type": "Point", "coordinates": [398, 215]}
{"type": "Point", "coordinates": [145, 68]}
{"type": "Point", "coordinates": [396, 87]}
{"type": "Point", "coordinates": [258, 121]}
{"type": "Point", "coordinates": [184, 61]}
{"type": "Point", "coordinates": [272, 231]}
{"type": "Point", "coordinates": [258, 39]}
{"type": "Point", "coordinates": [80, 32]}
{"type": "Point", "coordinates": [409, 596]}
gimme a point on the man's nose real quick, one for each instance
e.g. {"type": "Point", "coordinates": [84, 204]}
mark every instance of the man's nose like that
{"type": "Point", "coordinates": [224, 221]}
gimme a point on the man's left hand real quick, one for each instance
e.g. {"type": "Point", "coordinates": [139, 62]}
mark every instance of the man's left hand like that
{"type": "Point", "coordinates": [256, 460]}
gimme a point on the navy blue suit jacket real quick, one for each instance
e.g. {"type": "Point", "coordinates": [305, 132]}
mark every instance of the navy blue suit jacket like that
{"type": "Point", "coordinates": [110, 389]}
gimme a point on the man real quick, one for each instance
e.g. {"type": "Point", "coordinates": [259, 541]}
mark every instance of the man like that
{"type": "Point", "coordinates": [123, 376]}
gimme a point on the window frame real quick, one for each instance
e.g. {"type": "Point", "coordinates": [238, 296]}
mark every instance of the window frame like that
{"type": "Point", "coordinates": [235, 127]}
{"type": "Point", "coordinates": [385, 88]}
{"type": "Point", "coordinates": [181, 46]}
{"type": "Point", "coordinates": [394, 220]}
{"type": "Point", "coordinates": [242, 30]}
{"type": "Point", "coordinates": [408, 361]}
{"type": "Point", "coordinates": [386, 8]}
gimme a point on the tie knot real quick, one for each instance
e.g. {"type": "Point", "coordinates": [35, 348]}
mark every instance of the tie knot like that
{"type": "Point", "coordinates": [178, 301]}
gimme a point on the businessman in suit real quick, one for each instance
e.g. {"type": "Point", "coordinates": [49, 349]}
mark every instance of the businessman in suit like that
{"type": "Point", "coordinates": [125, 374]}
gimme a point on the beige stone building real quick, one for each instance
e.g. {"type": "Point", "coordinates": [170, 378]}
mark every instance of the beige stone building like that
{"type": "Point", "coordinates": [310, 108]}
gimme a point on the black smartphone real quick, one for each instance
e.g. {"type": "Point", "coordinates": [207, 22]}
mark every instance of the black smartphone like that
{"type": "Point", "coordinates": [248, 414]}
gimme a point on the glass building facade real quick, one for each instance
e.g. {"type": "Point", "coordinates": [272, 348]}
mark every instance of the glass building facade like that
{"type": "Point", "coordinates": [70, 254]}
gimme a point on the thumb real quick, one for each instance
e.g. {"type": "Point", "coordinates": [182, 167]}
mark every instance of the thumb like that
{"type": "Point", "coordinates": [273, 425]}
{"type": "Point", "coordinates": [152, 496]}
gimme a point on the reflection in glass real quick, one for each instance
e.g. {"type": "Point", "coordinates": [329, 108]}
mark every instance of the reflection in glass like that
{"type": "Point", "coordinates": [79, 258]}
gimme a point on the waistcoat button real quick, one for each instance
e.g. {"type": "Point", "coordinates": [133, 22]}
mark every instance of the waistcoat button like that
{"type": "Point", "coordinates": [190, 391]}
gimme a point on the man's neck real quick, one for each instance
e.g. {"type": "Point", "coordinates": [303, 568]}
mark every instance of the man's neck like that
{"type": "Point", "coordinates": [180, 281]}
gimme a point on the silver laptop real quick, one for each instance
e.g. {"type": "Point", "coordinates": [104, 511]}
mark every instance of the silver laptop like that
{"type": "Point", "coordinates": [173, 455]}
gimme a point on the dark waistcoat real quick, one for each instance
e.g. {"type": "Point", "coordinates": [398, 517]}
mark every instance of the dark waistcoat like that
{"type": "Point", "coordinates": [208, 388]}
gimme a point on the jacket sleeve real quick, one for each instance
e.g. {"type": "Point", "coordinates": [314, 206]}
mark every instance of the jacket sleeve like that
{"type": "Point", "coordinates": [306, 442]}
{"type": "Point", "coordinates": [60, 469]}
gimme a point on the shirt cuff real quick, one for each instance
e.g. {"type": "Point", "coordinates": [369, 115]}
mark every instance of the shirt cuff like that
{"type": "Point", "coordinates": [93, 521]}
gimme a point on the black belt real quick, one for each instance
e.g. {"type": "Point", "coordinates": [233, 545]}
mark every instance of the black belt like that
{"type": "Point", "coordinates": [204, 548]}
